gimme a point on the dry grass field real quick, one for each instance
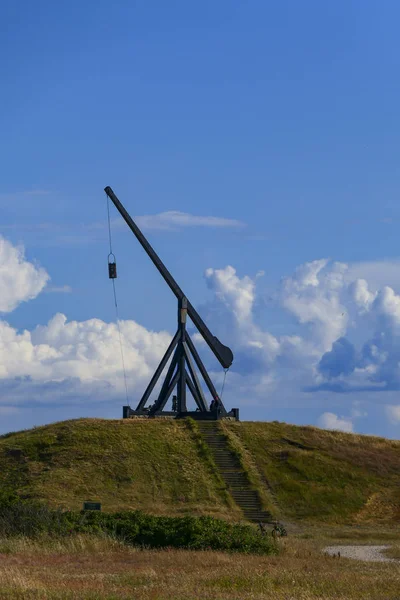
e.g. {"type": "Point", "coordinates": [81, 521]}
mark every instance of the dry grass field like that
{"type": "Point", "coordinates": [327, 487]}
{"type": "Point", "coordinates": [91, 568]}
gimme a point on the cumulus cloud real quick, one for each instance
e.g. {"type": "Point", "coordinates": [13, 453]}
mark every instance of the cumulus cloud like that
{"type": "Point", "coordinates": [88, 351]}
{"type": "Point", "coordinates": [377, 273]}
{"type": "Point", "coordinates": [393, 413]}
{"type": "Point", "coordinates": [235, 293]}
{"type": "Point", "coordinates": [312, 295]}
{"type": "Point", "coordinates": [20, 280]}
{"type": "Point", "coordinates": [254, 347]}
{"type": "Point", "coordinates": [329, 420]}
{"type": "Point", "coordinates": [341, 360]}
{"type": "Point", "coordinates": [347, 340]}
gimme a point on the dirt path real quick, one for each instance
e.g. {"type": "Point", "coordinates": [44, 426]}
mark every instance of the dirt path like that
{"type": "Point", "coordinates": [367, 553]}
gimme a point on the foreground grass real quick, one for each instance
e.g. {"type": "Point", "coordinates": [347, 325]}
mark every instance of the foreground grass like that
{"type": "Point", "coordinates": [394, 550]}
{"type": "Point", "coordinates": [91, 568]}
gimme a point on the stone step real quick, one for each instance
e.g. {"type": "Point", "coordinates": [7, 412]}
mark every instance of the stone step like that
{"type": "Point", "coordinates": [254, 514]}
{"type": "Point", "coordinates": [224, 455]}
{"type": "Point", "coordinates": [236, 480]}
{"type": "Point", "coordinates": [257, 514]}
{"type": "Point", "coordinates": [218, 447]}
{"type": "Point", "coordinates": [245, 497]}
{"type": "Point", "coordinates": [239, 483]}
{"type": "Point", "coordinates": [228, 469]}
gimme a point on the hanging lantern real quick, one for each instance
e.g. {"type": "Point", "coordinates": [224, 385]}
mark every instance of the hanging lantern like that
{"type": "Point", "coordinates": [112, 267]}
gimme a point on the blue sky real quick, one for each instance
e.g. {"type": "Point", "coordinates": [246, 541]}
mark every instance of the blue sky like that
{"type": "Point", "coordinates": [282, 119]}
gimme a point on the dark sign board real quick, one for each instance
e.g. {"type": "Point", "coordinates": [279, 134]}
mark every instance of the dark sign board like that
{"type": "Point", "coordinates": [91, 506]}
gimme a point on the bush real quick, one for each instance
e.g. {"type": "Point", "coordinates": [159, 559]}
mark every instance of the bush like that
{"type": "Point", "coordinates": [28, 519]}
{"type": "Point", "coordinates": [135, 528]}
{"type": "Point", "coordinates": [8, 498]}
{"type": "Point", "coordinates": [196, 533]}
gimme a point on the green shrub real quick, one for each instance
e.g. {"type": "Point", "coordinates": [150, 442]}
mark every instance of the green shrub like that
{"type": "Point", "coordinates": [27, 519]}
{"type": "Point", "coordinates": [196, 533]}
{"type": "Point", "coordinates": [135, 528]}
{"type": "Point", "coordinates": [8, 498]}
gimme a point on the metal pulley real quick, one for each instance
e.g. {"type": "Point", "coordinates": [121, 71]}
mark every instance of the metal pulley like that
{"type": "Point", "coordinates": [112, 266]}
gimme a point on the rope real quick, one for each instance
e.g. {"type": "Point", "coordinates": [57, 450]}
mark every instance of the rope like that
{"type": "Point", "coordinates": [116, 303]}
{"type": "Point", "coordinates": [223, 383]}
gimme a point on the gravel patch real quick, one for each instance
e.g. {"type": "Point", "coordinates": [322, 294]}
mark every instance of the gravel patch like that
{"type": "Point", "coordinates": [367, 553]}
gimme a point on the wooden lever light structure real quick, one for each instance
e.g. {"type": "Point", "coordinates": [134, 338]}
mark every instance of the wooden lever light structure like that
{"type": "Point", "coordinates": [181, 373]}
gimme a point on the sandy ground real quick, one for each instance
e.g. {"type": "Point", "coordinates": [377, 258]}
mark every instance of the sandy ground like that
{"type": "Point", "coordinates": [367, 553]}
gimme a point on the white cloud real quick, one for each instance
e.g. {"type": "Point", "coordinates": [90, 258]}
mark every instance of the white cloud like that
{"type": "Point", "coordinates": [361, 295]}
{"type": "Point", "coordinates": [48, 234]}
{"type": "Point", "coordinates": [237, 294]}
{"type": "Point", "coordinates": [347, 340]}
{"type": "Point", "coordinates": [393, 413]}
{"type": "Point", "coordinates": [329, 420]}
{"type": "Point", "coordinates": [174, 219]}
{"type": "Point", "coordinates": [378, 273]}
{"type": "Point", "coordinates": [88, 350]}
{"type": "Point", "coordinates": [59, 289]}
{"type": "Point", "coordinates": [20, 280]}
{"type": "Point", "coordinates": [312, 295]}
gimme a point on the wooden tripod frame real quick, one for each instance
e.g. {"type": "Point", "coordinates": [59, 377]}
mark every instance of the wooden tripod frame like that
{"type": "Point", "coordinates": [181, 374]}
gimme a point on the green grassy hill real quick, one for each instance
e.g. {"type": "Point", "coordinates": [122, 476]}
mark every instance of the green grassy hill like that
{"type": "Point", "coordinates": [321, 475]}
{"type": "Point", "coordinates": [162, 467]}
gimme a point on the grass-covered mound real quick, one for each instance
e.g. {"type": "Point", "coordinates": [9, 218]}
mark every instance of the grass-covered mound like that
{"type": "Point", "coordinates": [153, 465]}
{"type": "Point", "coordinates": [162, 467]}
{"type": "Point", "coordinates": [321, 475]}
{"type": "Point", "coordinates": [134, 528]}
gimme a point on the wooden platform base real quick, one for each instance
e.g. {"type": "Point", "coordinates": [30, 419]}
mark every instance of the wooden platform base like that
{"type": "Point", "coordinates": [129, 413]}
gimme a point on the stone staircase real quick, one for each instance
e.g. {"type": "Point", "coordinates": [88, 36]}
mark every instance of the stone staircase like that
{"type": "Point", "coordinates": [232, 473]}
